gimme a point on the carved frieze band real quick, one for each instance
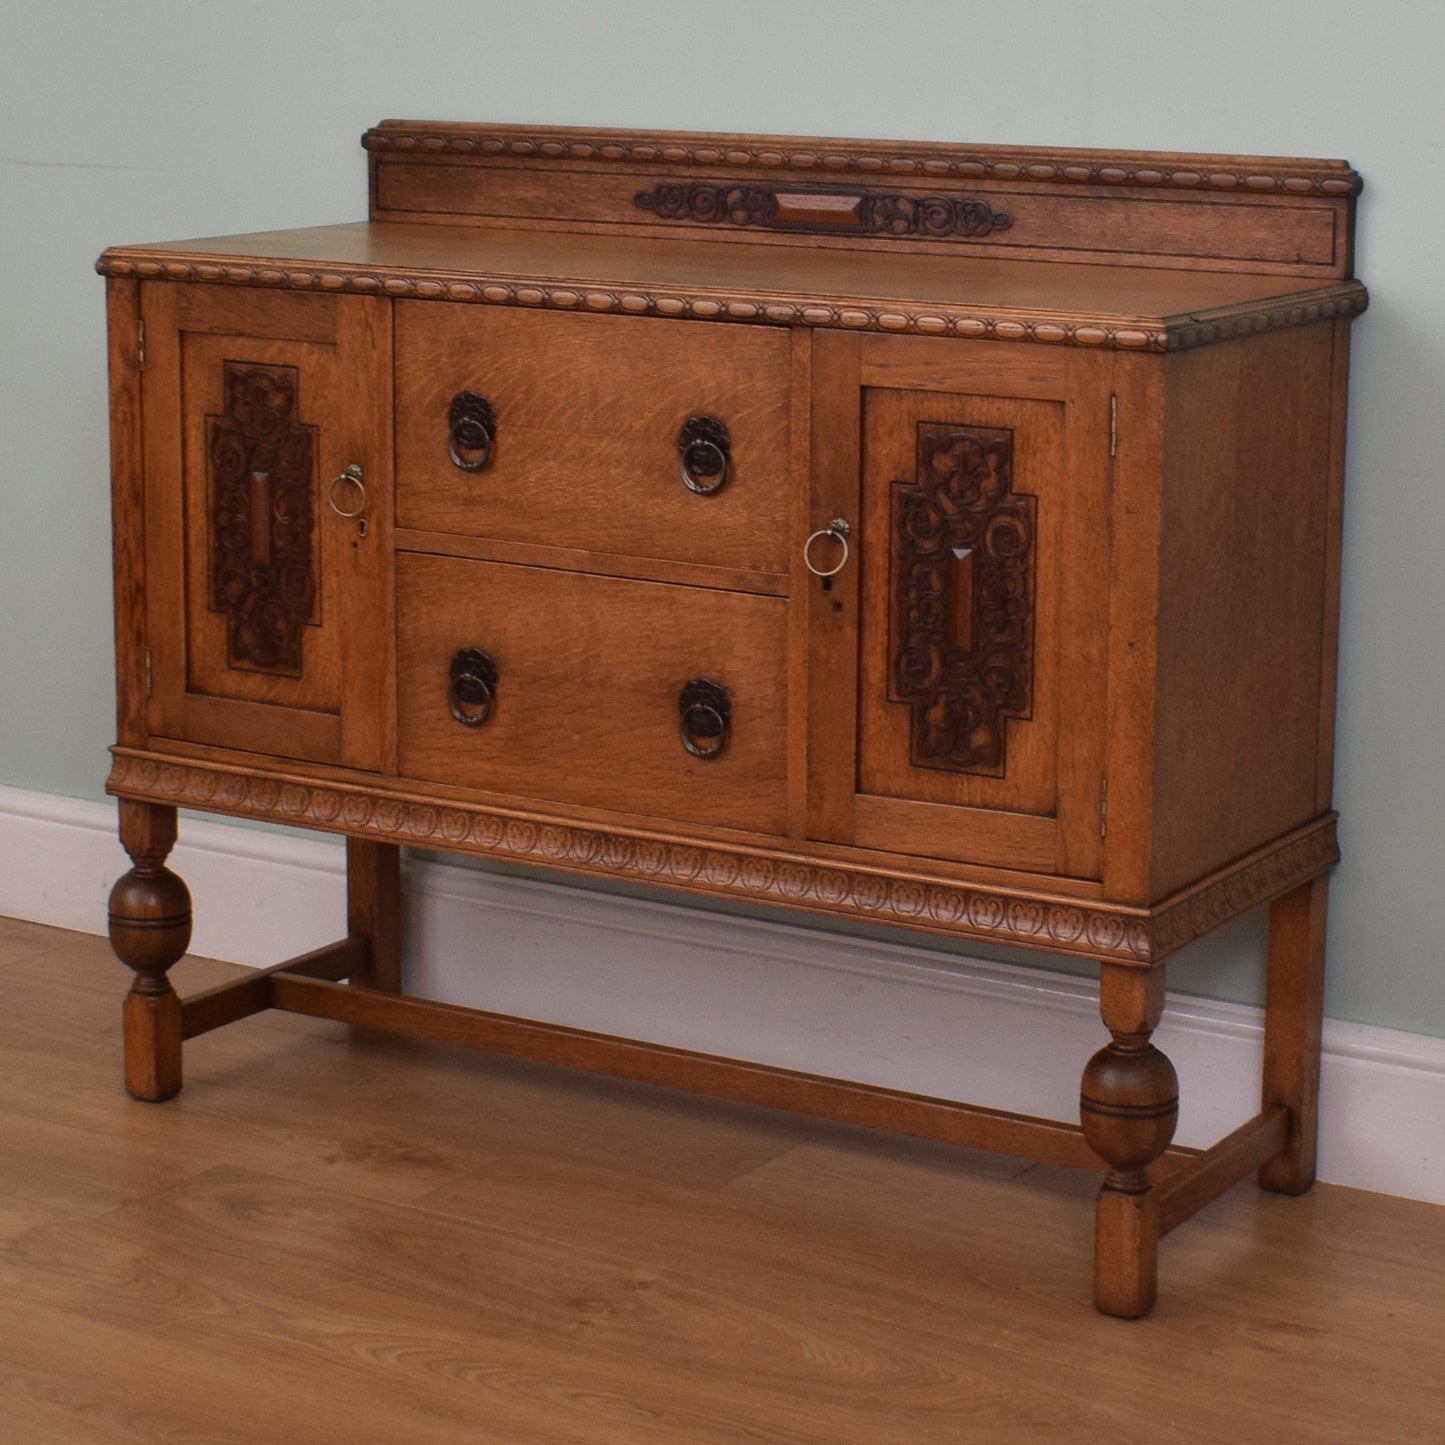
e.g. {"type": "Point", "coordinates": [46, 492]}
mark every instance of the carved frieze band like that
{"type": "Point", "coordinates": [1349, 300]}
{"type": "Point", "coordinates": [962, 624]}
{"type": "Point", "coordinates": [1102, 169]}
{"type": "Point", "coordinates": [1094, 931]}
{"type": "Point", "coordinates": [1307, 855]}
{"type": "Point", "coordinates": [262, 518]}
{"type": "Point", "coordinates": [822, 212]}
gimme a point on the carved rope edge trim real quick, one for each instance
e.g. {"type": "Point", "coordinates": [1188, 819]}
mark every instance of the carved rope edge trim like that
{"type": "Point", "coordinates": [941, 321]}
{"type": "Point", "coordinates": [1086, 930]}
{"type": "Point", "coordinates": [1059, 170]}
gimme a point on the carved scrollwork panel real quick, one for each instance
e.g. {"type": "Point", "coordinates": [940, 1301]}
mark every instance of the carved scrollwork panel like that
{"type": "Point", "coordinates": [263, 563]}
{"type": "Point", "coordinates": [963, 605]}
{"type": "Point", "coordinates": [821, 210]}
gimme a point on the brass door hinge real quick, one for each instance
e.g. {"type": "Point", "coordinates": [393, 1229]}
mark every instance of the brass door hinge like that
{"type": "Point", "coordinates": [1113, 423]}
{"type": "Point", "coordinates": [150, 679]}
{"type": "Point", "coordinates": [1103, 807]}
{"type": "Point", "coordinates": [140, 347]}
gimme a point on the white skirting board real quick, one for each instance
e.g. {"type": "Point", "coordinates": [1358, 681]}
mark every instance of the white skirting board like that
{"type": "Point", "coordinates": [897, 1015]}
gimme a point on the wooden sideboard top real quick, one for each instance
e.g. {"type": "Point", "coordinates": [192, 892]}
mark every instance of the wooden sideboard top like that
{"type": "Point", "coordinates": [1139, 251]}
{"type": "Point", "coordinates": [942, 294]}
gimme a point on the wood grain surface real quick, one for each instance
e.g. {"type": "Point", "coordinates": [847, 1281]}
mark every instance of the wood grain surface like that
{"type": "Point", "coordinates": [1133, 308]}
{"type": "Point", "coordinates": [337, 1238]}
{"type": "Point", "coordinates": [1290, 216]}
{"type": "Point", "coordinates": [587, 702]}
{"type": "Point", "coordinates": [588, 412]}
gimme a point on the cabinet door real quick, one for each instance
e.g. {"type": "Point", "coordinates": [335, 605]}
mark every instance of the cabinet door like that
{"type": "Point", "coordinates": [268, 611]}
{"type": "Point", "coordinates": [981, 607]}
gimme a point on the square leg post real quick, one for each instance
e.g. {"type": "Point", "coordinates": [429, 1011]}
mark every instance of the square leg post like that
{"type": "Point", "coordinates": [373, 909]}
{"type": "Point", "coordinates": [1293, 1016]}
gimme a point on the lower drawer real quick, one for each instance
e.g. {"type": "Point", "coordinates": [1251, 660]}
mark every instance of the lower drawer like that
{"type": "Point", "coordinates": [577, 689]}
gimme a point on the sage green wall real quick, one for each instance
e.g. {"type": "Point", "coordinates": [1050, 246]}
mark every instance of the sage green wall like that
{"type": "Point", "coordinates": [146, 121]}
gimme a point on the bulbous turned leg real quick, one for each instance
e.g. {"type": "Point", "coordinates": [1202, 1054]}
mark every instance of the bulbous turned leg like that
{"type": "Point", "coordinates": [150, 928]}
{"type": "Point", "coordinates": [1129, 1106]}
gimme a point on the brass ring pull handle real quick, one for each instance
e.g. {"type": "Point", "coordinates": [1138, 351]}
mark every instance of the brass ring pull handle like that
{"type": "Point", "coordinates": [351, 477]}
{"type": "Point", "coordinates": [473, 687]}
{"type": "Point", "coordinates": [704, 717]}
{"type": "Point", "coordinates": [473, 422]}
{"type": "Point", "coordinates": [839, 531]}
{"type": "Point", "coordinates": [704, 446]}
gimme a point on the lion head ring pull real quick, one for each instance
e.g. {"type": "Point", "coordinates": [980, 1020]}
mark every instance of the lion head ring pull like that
{"type": "Point", "coordinates": [837, 531]}
{"type": "Point", "coordinates": [472, 420]}
{"type": "Point", "coordinates": [473, 687]}
{"type": "Point", "coordinates": [703, 447]}
{"type": "Point", "coordinates": [704, 717]}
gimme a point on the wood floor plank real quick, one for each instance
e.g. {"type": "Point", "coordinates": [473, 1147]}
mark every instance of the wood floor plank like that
{"type": "Point", "coordinates": [77, 1381]}
{"type": "Point", "coordinates": [353, 1238]}
{"type": "Point", "coordinates": [714, 1354]}
{"type": "Point", "coordinates": [22, 941]}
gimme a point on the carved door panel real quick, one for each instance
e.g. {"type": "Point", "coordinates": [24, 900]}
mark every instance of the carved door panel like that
{"type": "Point", "coordinates": [267, 608]}
{"type": "Point", "coordinates": [982, 613]}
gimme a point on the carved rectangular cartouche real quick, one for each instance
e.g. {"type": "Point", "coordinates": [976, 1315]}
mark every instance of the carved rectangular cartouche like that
{"type": "Point", "coordinates": [262, 554]}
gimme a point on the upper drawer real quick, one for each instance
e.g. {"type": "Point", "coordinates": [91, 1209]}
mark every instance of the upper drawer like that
{"type": "Point", "coordinates": [588, 411]}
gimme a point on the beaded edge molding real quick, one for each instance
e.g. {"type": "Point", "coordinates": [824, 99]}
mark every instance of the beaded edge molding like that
{"type": "Point", "coordinates": [1175, 334]}
{"type": "Point", "coordinates": [705, 151]}
{"type": "Point", "coordinates": [1100, 933]}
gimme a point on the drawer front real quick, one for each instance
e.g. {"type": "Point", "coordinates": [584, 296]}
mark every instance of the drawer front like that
{"type": "Point", "coordinates": [584, 706]}
{"type": "Point", "coordinates": [587, 413]}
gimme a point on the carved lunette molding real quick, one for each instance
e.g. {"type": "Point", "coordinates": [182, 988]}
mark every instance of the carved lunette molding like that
{"type": "Point", "coordinates": [1098, 931]}
{"type": "Point", "coordinates": [1170, 334]}
{"type": "Point", "coordinates": [1193, 173]}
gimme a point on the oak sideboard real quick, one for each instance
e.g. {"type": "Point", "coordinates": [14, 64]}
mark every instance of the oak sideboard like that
{"type": "Point", "coordinates": [927, 535]}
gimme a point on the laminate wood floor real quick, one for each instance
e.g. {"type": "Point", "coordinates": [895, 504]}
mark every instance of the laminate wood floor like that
{"type": "Point", "coordinates": [336, 1238]}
